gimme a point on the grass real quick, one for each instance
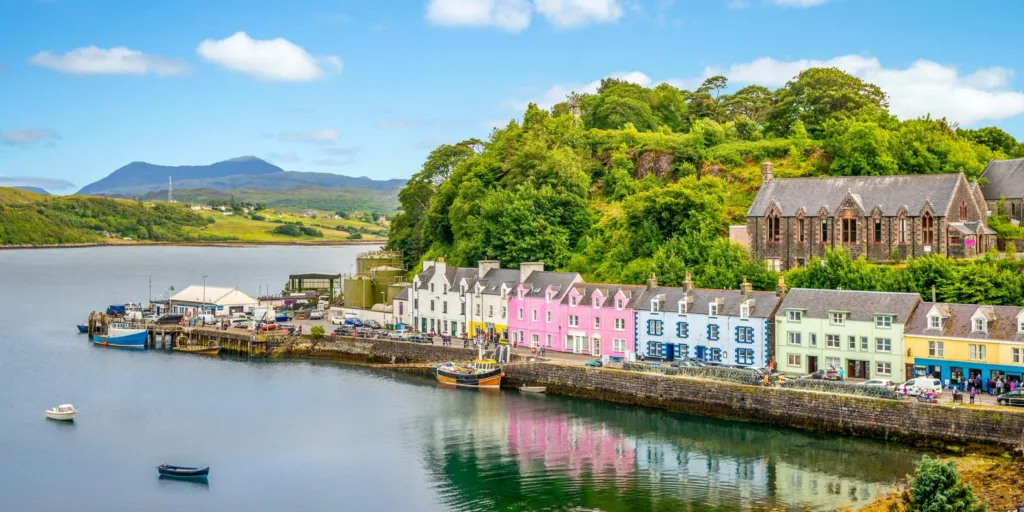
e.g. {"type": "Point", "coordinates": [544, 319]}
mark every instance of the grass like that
{"type": "Point", "coordinates": [244, 229]}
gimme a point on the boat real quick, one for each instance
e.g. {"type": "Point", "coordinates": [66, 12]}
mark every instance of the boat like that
{"type": "Point", "coordinates": [83, 328]}
{"type": "Point", "coordinates": [481, 373]}
{"type": "Point", "coordinates": [123, 336]}
{"type": "Point", "coordinates": [282, 318]}
{"type": "Point", "coordinates": [64, 412]}
{"type": "Point", "coordinates": [183, 345]}
{"type": "Point", "coordinates": [182, 471]}
{"type": "Point", "coordinates": [533, 389]}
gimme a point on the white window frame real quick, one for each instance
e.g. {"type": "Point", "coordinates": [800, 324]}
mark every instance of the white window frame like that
{"type": "Point", "coordinates": [935, 322]}
{"type": "Point", "coordinates": [978, 325]}
{"type": "Point", "coordinates": [834, 362]}
{"type": "Point", "coordinates": [836, 318]}
{"type": "Point", "coordinates": [936, 349]}
{"type": "Point", "coordinates": [794, 316]}
{"type": "Point", "coordinates": [534, 340]}
{"type": "Point", "coordinates": [547, 340]}
{"type": "Point", "coordinates": [620, 324]}
{"type": "Point", "coordinates": [618, 345]}
{"type": "Point", "coordinates": [794, 361]}
{"type": "Point", "coordinates": [713, 309]}
{"type": "Point", "coordinates": [597, 322]}
{"type": "Point", "coordinates": [744, 310]}
{"type": "Point", "coordinates": [883, 321]}
{"type": "Point", "coordinates": [547, 316]}
{"type": "Point", "coordinates": [794, 336]}
{"type": "Point", "coordinates": [572, 301]}
{"type": "Point", "coordinates": [520, 314]}
{"type": "Point", "coordinates": [883, 368]}
{"type": "Point", "coordinates": [654, 306]}
{"type": "Point", "coordinates": [534, 315]}
{"type": "Point", "coordinates": [619, 304]}
{"type": "Point", "coordinates": [833, 341]}
{"type": "Point", "coordinates": [879, 345]}
{"type": "Point", "coordinates": [1017, 354]}
{"type": "Point", "coordinates": [574, 321]}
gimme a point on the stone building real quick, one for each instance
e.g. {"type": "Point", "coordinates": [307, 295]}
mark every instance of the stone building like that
{"type": "Point", "coordinates": [1004, 179]}
{"type": "Point", "coordinates": [879, 217]}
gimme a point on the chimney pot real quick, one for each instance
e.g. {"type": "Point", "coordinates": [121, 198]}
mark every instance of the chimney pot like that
{"type": "Point", "coordinates": [766, 171]}
{"type": "Point", "coordinates": [688, 283]}
{"type": "Point", "coordinates": [780, 290]}
{"type": "Point", "coordinates": [746, 287]}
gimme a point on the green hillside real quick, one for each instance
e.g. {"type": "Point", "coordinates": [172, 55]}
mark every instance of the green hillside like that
{"type": "Point", "coordinates": [633, 180]}
{"type": "Point", "coordinates": [353, 199]}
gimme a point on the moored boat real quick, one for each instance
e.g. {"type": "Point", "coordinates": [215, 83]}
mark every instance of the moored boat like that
{"type": "Point", "coordinates": [123, 336]}
{"type": "Point", "coordinates": [533, 389]}
{"type": "Point", "coordinates": [64, 412]}
{"type": "Point", "coordinates": [83, 328]}
{"type": "Point", "coordinates": [481, 373]}
{"type": "Point", "coordinates": [182, 471]}
{"type": "Point", "coordinates": [183, 345]}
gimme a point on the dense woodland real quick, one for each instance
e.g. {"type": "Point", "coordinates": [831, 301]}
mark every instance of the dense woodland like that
{"type": "Point", "coordinates": [633, 180]}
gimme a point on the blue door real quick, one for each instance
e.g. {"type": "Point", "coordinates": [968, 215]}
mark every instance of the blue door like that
{"type": "Point", "coordinates": [699, 352]}
{"type": "Point", "coordinates": [670, 353]}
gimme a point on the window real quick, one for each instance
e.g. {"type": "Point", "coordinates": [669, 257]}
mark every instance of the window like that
{"type": "Point", "coordinates": [654, 306]}
{"type": "Point", "coordinates": [744, 356]}
{"type": "Point", "coordinates": [979, 325]}
{"type": "Point", "coordinates": [547, 316]}
{"type": "Point", "coordinates": [800, 262]}
{"type": "Point", "coordinates": [773, 227]}
{"type": "Point", "coordinates": [654, 327]}
{"type": "Point", "coordinates": [618, 304]}
{"type": "Point", "coordinates": [883, 345]}
{"type": "Point", "coordinates": [520, 314]}
{"type": "Point", "coordinates": [851, 342]}
{"type": "Point", "coordinates": [444, 288]}
{"type": "Point", "coordinates": [744, 334]}
{"type": "Point", "coordinates": [444, 307]}
{"type": "Point", "coordinates": [833, 362]}
{"type": "Point", "coordinates": [618, 345]}
{"type": "Point", "coordinates": [445, 326]}
{"type": "Point", "coordinates": [936, 348]}
{"type": "Point", "coordinates": [620, 324]}
{"type": "Point", "coordinates": [883, 368]}
{"type": "Point", "coordinates": [682, 351]}
{"type": "Point", "coordinates": [794, 338]}
{"type": "Point", "coordinates": [504, 312]}
{"type": "Point", "coordinates": [683, 330]}
{"type": "Point", "coordinates": [713, 332]}
{"type": "Point", "coordinates": [476, 310]}
{"type": "Point", "coordinates": [572, 301]}
{"type": "Point", "coordinates": [462, 308]}
{"type": "Point", "coordinates": [773, 264]}
{"type": "Point", "coordinates": [431, 287]}
{"type": "Point", "coordinates": [519, 294]}
{"type": "Point", "coordinates": [832, 341]}
{"type": "Point", "coordinates": [574, 321]}
{"type": "Point", "coordinates": [1018, 355]}
{"type": "Point", "coordinates": [878, 231]}
{"type": "Point", "coordinates": [824, 230]}
{"type": "Point", "coordinates": [863, 342]}
{"type": "Point", "coordinates": [682, 307]}
{"type": "Point", "coordinates": [794, 361]}
{"type": "Point", "coordinates": [715, 355]}
{"type": "Point", "coordinates": [597, 323]}
{"type": "Point", "coordinates": [814, 339]}
{"type": "Point", "coordinates": [431, 304]}
{"type": "Point", "coordinates": [744, 310]}
{"type": "Point", "coordinates": [547, 340]}
{"type": "Point", "coordinates": [935, 322]}
{"type": "Point", "coordinates": [794, 316]}
{"type": "Point", "coordinates": [883, 321]}
{"type": "Point", "coordinates": [534, 340]}
{"type": "Point", "coordinates": [977, 352]}
{"type": "Point", "coordinates": [927, 223]}
{"type": "Point", "coordinates": [903, 230]}
{"type": "Point", "coordinates": [836, 318]}
{"type": "Point", "coordinates": [534, 315]}
{"type": "Point", "coordinates": [416, 304]}
{"type": "Point", "coordinates": [850, 231]}
{"type": "Point", "coordinates": [490, 311]}
{"type": "Point", "coordinates": [963, 211]}
{"type": "Point", "coordinates": [713, 309]}
{"type": "Point", "coordinates": [799, 230]}
{"type": "Point", "coordinates": [654, 349]}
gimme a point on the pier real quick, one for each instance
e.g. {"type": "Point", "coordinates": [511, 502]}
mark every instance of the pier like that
{"type": "Point", "coordinates": [234, 341]}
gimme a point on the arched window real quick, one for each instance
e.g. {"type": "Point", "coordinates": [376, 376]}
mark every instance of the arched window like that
{"type": "Point", "coordinates": [927, 225]}
{"type": "Point", "coordinates": [963, 211]}
{"type": "Point", "coordinates": [824, 229]}
{"type": "Point", "coordinates": [773, 227]}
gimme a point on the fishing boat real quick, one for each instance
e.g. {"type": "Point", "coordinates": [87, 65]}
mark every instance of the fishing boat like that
{"type": "Point", "coordinates": [122, 336]}
{"type": "Point", "coordinates": [533, 389]}
{"type": "Point", "coordinates": [182, 344]}
{"type": "Point", "coordinates": [83, 328]}
{"type": "Point", "coordinates": [182, 471]}
{"type": "Point", "coordinates": [65, 412]}
{"type": "Point", "coordinates": [481, 373]}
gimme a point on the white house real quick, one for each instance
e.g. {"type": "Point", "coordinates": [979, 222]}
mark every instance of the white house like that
{"type": "Point", "coordinates": [437, 304]}
{"type": "Point", "coordinates": [213, 299]}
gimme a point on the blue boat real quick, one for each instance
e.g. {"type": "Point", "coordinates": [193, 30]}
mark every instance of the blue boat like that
{"type": "Point", "coordinates": [183, 472]}
{"type": "Point", "coordinates": [123, 336]}
{"type": "Point", "coordinates": [282, 318]}
{"type": "Point", "coordinates": [83, 328]}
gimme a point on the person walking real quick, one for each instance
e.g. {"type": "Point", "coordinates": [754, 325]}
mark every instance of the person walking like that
{"type": "Point", "coordinates": [999, 387]}
{"type": "Point", "coordinates": [973, 392]}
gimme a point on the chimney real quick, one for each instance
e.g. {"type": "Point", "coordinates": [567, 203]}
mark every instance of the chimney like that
{"type": "Point", "coordinates": [652, 282]}
{"type": "Point", "coordinates": [525, 269]}
{"type": "Point", "coordinates": [780, 289]}
{"type": "Point", "coordinates": [746, 287]}
{"type": "Point", "coordinates": [766, 171]}
{"type": "Point", "coordinates": [688, 284]}
{"type": "Point", "coordinates": [428, 264]}
{"type": "Point", "coordinates": [933, 294]}
{"type": "Point", "coordinates": [440, 266]}
{"type": "Point", "coordinates": [486, 265]}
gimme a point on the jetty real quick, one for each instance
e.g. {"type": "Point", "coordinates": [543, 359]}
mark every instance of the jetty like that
{"type": "Point", "coordinates": [234, 341]}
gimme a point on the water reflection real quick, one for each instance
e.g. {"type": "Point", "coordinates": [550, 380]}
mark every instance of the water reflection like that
{"type": "Point", "coordinates": [509, 452]}
{"type": "Point", "coordinates": [169, 481]}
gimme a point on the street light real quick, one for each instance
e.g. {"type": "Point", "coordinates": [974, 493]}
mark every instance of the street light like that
{"type": "Point", "coordinates": [204, 294]}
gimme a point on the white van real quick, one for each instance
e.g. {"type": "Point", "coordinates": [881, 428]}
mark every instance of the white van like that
{"type": "Point", "coordinates": [919, 385]}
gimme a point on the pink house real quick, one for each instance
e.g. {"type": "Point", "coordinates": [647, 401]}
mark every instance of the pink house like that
{"type": "Point", "coordinates": [535, 308]}
{"type": "Point", "coordinates": [598, 319]}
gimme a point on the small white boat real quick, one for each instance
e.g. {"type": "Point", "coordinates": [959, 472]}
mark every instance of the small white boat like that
{"type": "Point", "coordinates": [64, 412]}
{"type": "Point", "coordinates": [533, 389]}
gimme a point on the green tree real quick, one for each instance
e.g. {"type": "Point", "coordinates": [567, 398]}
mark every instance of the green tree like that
{"type": "Point", "coordinates": [753, 102]}
{"type": "Point", "coordinates": [316, 332]}
{"type": "Point", "coordinates": [936, 487]}
{"type": "Point", "coordinates": [990, 137]}
{"type": "Point", "coordinates": [859, 148]}
{"type": "Point", "coordinates": [817, 95]}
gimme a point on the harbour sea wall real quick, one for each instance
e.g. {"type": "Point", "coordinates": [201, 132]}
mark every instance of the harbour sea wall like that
{"type": "Point", "coordinates": [975, 428]}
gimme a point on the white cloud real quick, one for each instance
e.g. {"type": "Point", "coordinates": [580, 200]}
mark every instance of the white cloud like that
{"type": "Point", "coordinates": [515, 15]}
{"type": "Point", "coordinates": [33, 181]}
{"type": "Point", "coordinates": [276, 59]}
{"type": "Point", "coordinates": [925, 87]}
{"type": "Point", "coordinates": [92, 60]}
{"type": "Point", "coordinates": [510, 15]}
{"type": "Point", "coordinates": [799, 3]}
{"type": "Point", "coordinates": [322, 136]}
{"type": "Point", "coordinates": [578, 13]}
{"type": "Point", "coordinates": [25, 137]}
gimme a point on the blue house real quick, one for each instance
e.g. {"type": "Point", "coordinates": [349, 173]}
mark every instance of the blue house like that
{"type": "Point", "coordinates": [731, 327]}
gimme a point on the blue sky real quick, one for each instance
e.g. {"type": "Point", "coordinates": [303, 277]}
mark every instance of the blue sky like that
{"type": "Point", "coordinates": [368, 88]}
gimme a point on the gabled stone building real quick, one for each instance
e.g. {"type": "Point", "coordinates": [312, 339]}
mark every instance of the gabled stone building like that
{"type": "Point", "coordinates": [1004, 179]}
{"type": "Point", "coordinates": [879, 217]}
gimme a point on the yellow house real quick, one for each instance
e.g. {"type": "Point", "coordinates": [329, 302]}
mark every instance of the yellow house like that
{"type": "Point", "coordinates": [960, 341]}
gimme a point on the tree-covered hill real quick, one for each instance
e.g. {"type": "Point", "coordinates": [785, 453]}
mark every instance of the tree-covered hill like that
{"type": "Point", "coordinates": [632, 180]}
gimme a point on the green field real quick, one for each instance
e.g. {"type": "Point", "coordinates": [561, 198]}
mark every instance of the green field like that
{"type": "Point", "coordinates": [244, 229]}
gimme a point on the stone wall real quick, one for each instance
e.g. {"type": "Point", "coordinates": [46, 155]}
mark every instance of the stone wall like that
{"type": "Point", "coordinates": [904, 420]}
{"type": "Point", "coordinates": [365, 350]}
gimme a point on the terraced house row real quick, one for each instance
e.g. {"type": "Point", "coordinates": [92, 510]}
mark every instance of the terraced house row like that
{"type": "Point", "coordinates": [867, 335]}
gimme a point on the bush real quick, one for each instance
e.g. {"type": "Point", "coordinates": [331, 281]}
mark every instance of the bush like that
{"type": "Point", "coordinates": [844, 388]}
{"type": "Point", "coordinates": [287, 230]}
{"type": "Point", "coordinates": [258, 217]}
{"type": "Point", "coordinates": [316, 332]}
{"type": "Point", "coordinates": [936, 487]}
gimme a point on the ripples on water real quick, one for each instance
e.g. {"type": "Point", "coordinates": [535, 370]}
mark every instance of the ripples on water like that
{"type": "Point", "coordinates": [318, 436]}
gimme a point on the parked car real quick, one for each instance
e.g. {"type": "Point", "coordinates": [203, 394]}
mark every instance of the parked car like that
{"type": "Point", "coordinates": [1014, 397]}
{"type": "Point", "coordinates": [921, 385]}
{"type": "Point", "coordinates": [150, 319]}
{"type": "Point", "coordinates": [242, 323]}
{"type": "Point", "coordinates": [316, 314]}
{"type": "Point", "coordinates": [353, 321]}
{"type": "Point", "coordinates": [885, 383]}
{"type": "Point", "coordinates": [286, 327]}
{"type": "Point", "coordinates": [596, 363]}
{"type": "Point", "coordinates": [373, 324]}
{"type": "Point", "coordinates": [829, 374]}
{"type": "Point", "coordinates": [345, 330]}
{"type": "Point", "coordinates": [169, 319]}
{"type": "Point", "coordinates": [338, 320]}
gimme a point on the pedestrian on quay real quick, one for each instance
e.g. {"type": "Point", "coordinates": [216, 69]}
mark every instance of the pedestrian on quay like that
{"type": "Point", "coordinates": [973, 393]}
{"type": "Point", "coordinates": [999, 387]}
{"type": "Point", "coordinates": [991, 386]}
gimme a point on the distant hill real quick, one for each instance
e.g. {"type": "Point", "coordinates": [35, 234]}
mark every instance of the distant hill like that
{"type": "Point", "coordinates": [37, 190]}
{"type": "Point", "coordinates": [142, 176]}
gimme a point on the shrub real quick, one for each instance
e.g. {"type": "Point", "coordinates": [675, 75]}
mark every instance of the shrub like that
{"type": "Point", "coordinates": [258, 217]}
{"type": "Point", "coordinates": [844, 388]}
{"type": "Point", "coordinates": [287, 230]}
{"type": "Point", "coordinates": [316, 332]}
{"type": "Point", "coordinates": [936, 487]}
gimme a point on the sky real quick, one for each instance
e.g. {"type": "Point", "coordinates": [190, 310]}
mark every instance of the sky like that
{"type": "Point", "coordinates": [369, 88]}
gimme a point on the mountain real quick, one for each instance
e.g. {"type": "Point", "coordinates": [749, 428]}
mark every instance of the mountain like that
{"type": "Point", "coordinates": [37, 190]}
{"type": "Point", "coordinates": [143, 176]}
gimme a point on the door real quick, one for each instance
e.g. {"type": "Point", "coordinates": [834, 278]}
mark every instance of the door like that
{"type": "Point", "coordinates": [812, 364]}
{"type": "Point", "coordinates": [700, 352]}
{"type": "Point", "coordinates": [596, 350]}
{"type": "Point", "coordinates": [423, 324]}
{"type": "Point", "coordinates": [670, 352]}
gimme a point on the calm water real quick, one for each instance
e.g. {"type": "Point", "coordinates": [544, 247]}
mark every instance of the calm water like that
{"type": "Point", "coordinates": [310, 436]}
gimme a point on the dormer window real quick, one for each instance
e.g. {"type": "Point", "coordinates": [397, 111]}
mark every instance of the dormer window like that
{"type": "Point", "coordinates": [883, 321]}
{"type": "Point", "coordinates": [1020, 327]}
{"type": "Point", "coordinates": [837, 318]}
{"type": "Point", "coordinates": [794, 316]}
{"type": "Point", "coordinates": [682, 307]}
{"type": "Point", "coordinates": [935, 322]}
{"type": "Point", "coordinates": [713, 309]}
{"type": "Point", "coordinates": [979, 325]}
{"type": "Point", "coordinates": [572, 301]}
{"type": "Point", "coordinates": [745, 310]}
{"type": "Point", "coordinates": [654, 306]}
{"type": "Point", "coordinates": [519, 294]}
{"type": "Point", "coordinates": [463, 289]}
{"type": "Point", "coordinates": [618, 304]}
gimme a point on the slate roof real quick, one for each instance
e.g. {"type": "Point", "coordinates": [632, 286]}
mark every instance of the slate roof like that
{"type": "Point", "coordinates": [493, 280]}
{"type": "Point", "coordinates": [889, 193]}
{"type": "Point", "coordinates": [1005, 179]}
{"type": "Point", "coordinates": [764, 302]}
{"type": "Point", "coordinates": [1003, 325]}
{"type": "Point", "coordinates": [539, 281]}
{"type": "Point", "coordinates": [861, 306]}
{"type": "Point", "coordinates": [633, 292]}
{"type": "Point", "coordinates": [425, 276]}
{"type": "Point", "coordinates": [453, 274]}
{"type": "Point", "coordinates": [403, 294]}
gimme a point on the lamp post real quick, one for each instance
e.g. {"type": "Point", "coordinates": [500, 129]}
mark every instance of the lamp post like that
{"type": "Point", "coordinates": [204, 294]}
